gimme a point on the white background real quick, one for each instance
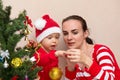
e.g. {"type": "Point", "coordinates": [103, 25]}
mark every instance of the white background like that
{"type": "Point", "coordinates": [102, 16]}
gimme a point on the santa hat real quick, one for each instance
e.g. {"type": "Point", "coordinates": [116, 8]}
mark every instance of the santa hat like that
{"type": "Point", "coordinates": [45, 26]}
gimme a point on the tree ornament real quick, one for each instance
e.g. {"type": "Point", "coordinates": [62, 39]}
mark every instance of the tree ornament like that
{"type": "Point", "coordinates": [25, 58]}
{"type": "Point", "coordinates": [26, 77]}
{"type": "Point", "coordinates": [32, 44]}
{"type": "Point", "coordinates": [32, 59]}
{"type": "Point", "coordinates": [27, 32]}
{"type": "Point", "coordinates": [4, 54]}
{"type": "Point", "coordinates": [27, 22]}
{"type": "Point", "coordinates": [1, 59]}
{"type": "Point", "coordinates": [14, 77]}
{"type": "Point", "coordinates": [55, 73]}
{"type": "Point", "coordinates": [16, 62]}
{"type": "Point", "coordinates": [5, 64]}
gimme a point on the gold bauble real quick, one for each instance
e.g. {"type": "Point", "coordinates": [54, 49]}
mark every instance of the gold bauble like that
{"type": "Point", "coordinates": [16, 62]}
{"type": "Point", "coordinates": [55, 73]}
{"type": "Point", "coordinates": [26, 32]}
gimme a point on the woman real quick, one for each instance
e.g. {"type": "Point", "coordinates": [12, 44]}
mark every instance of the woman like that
{"type": "Point", "coordinates": [86, 60]}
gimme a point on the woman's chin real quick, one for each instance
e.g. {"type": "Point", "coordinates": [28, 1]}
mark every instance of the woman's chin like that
{"type": "Point", "coordinates": [71, 47]}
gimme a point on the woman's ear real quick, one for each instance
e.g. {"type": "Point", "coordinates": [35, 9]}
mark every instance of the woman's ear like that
{"type": "Point", "coordinates": [86, 33]}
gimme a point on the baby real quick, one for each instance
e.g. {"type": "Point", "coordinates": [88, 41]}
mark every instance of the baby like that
{"type": "Point", "coordinates": [47, 35]}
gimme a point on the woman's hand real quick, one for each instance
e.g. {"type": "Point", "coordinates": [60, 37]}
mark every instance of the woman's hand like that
{"type": "Point", "coordinates": [76, 56]}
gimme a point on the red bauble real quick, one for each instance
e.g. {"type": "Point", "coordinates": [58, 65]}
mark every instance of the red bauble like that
{"type": "Point", "coordinates": [14, 77]}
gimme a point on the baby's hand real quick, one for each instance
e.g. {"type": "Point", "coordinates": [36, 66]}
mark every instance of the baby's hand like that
{"type": "Point", "coordinates": [60, 53]}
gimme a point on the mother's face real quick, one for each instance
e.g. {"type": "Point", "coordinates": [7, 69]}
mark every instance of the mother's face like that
{"type": "Point", "coordinates": [73, 34]}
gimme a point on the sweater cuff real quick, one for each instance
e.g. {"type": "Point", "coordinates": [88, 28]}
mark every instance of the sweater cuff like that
{"type": "Point", "coordinates": [70, 74]}
{"type": "Point", "coordinates": [94, 69]}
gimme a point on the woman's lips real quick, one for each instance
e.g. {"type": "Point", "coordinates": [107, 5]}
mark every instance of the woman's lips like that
{"type": "Point", "coordinates": [70, 43]}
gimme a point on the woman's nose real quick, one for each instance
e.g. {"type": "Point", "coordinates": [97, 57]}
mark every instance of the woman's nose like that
{"type": "Point", "coordinates": [69, 37]}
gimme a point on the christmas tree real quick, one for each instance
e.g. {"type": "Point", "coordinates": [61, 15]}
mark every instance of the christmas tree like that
{"type": "Point", "coordinates": [15, 62]}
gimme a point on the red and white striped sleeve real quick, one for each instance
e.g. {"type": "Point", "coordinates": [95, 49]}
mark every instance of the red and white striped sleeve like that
{"type": "Point", "coordinates": [103, 68]}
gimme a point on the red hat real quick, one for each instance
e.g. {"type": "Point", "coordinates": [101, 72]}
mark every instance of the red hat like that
{"type": "Point", "coordinates": [45, 26]}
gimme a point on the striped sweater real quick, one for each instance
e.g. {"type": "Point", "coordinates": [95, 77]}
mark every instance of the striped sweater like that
{"type": "Point", "coordinates": [104, 67]}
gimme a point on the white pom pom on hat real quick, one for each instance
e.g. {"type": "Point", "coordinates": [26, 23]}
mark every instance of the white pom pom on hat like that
{"type": "Point", "coordinates": [40, 24]}
{"type": "Point", "coordinates": [45, 26]}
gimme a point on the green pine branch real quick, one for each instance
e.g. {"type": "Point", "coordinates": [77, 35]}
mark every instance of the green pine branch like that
{"type": "Point", "coordinates": [11, 32]}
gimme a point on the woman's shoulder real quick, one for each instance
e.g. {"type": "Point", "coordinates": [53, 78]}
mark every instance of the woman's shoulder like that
{"type": "Point", "coordinates": [100, 47]}
{"type": "Point", "coordinates": [96, 46]}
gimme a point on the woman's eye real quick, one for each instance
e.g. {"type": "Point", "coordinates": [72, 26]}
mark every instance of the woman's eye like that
{"type": "Point", "coordinates": [75, 32]}
{"type": "Point", "coordinates": [65, 33]}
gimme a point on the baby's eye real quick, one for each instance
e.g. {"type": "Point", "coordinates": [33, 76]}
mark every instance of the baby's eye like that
{"type": "Point", "coordinates": [49, 37]}
{"type": "Point", "coordinates": [57, 37]}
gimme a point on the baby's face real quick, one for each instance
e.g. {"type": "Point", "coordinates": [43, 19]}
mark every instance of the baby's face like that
{"type": "Point", "coordinates": [51, 41]}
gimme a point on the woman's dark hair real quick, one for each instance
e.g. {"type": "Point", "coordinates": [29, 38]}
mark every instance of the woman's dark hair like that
{"type": "Point", "coordinates": [83, 22]}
